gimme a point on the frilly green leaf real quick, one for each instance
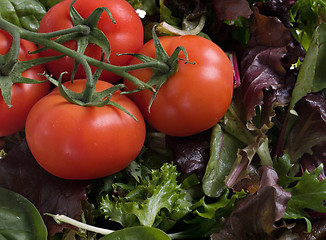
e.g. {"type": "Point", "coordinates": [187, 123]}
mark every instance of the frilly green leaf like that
{"type": "Point", "coordinates": [158, 202]}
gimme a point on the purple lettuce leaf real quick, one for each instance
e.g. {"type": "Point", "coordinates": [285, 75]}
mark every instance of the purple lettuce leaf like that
{"type": "Point", "coordinates": [269, 54]}
{"type": "Point", "coordinates": [230, 27]}
{"type": "Point", "coordinates": [20, 173]}
{"type": "Point", "coordinates": [276, 8]}
{"type": "Point", "coordinates": [318, 231]}
{"type": "Point", "coordinates": [309, 129]}
{"type": "Point", "coordinates": [311, 161]}
{"type": "Point", "coordinates": [255, 216]}
{"type": "Point", "coordinates": [191, 154]}
{"type": "Point", "coordinates": [231, 9]}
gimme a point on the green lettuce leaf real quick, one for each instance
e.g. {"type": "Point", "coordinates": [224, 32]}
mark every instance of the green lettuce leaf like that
{"type": "Point", "coordinates": [135, 3]}
{"type": "Point", "coordinates": [308, 193]}
{"type": "Point", "coordinates": [19, 218]}
{"type": "Point", "coordinates": [208, 216]}
{"type": "Point", "coordinates": [283, 166]}
{"type": "Point", "coordinates": [306, 15]}
{"type": "Point", "coordinates": [157, 202]}
{"type": "Point", "coordinates": [23, 13]}
{"type": "Point", "coordinates": [49, 3]}
{"type": "Point", "coordinates": [223, 153]}
{"type": "Point", "coordinates": [137, 233]}
{"type": "Point", "coordinates": [312, 73]}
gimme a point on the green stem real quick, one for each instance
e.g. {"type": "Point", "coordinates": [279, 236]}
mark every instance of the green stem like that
{"type": "Point", "coordinates": [153, 64]}
{"type": "Point", "coordinates": [36, 38]}
{"type": "Point", "coordinates": [121, 71]}
{"type": "Point", "coordinates": [90, 85]}
{"type": "Point", "coordinates": [11, 58]}
{"type": "Point", "coordinates": [83, 29]}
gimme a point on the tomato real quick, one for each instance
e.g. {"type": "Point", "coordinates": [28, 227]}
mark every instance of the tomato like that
{"type": "Point", "coordinates": [76, 142]}
{"type": "Point", "coordinates": [23, 96]}
{"type": "Point", "coordinates": [125, 36]}
{"type": "Point", "coordinates": [196, 97]}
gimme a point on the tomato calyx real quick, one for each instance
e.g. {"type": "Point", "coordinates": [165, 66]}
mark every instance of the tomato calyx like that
{"type": "Point", "coordinates": [89, 97]}
{"type": "Point", "coordinates": [11, 68]}
{"type": "Point", "coordinates": [95, 36]}
{"type": "Point", "coordinates": [15, 76]}
{"type": "Point", "coordinates": [46, 40]}
{"type": "Point", "coordinates": [163, 66]}
{"type": "Point", "coordinates": [84, 32]}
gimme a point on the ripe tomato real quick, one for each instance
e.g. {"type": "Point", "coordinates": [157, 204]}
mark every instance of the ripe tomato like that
{"type": "Point", "coordinates": [76, 142]}
{"type": "Point", "coordinates": [125, 36]}
{"type": "Point", "coordinates": [196, 97]}
{"type": "Point", "coordinates": [23, 96]}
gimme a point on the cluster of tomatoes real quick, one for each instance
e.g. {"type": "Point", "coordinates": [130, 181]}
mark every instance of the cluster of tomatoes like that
{"type": "Point", "coordinates": [79, 142]}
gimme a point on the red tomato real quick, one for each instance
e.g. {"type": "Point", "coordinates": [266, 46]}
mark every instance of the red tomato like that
{"type": "Point", "coordinates": [125, 36]}
{"type": "Point", "coordinates": [23, 96]}
{"type": "Point", "coordinates": [196, 97]}
{"type": "Point", "coordinates": [75, 142]}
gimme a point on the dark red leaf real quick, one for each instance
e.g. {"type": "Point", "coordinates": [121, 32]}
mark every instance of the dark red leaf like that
{"type": "Point", "coordinates": [265, 66]}
{"type": "Point", "coordinates": [192, 153]}
{"type": "Point", "coordinates": [20, 172]}
{"type": "Point", "coordinates": [231, 9]}
{"type": "Point", "coordinates": [255, 216]}
{"type": "Point", "coordinates": [307, 139]}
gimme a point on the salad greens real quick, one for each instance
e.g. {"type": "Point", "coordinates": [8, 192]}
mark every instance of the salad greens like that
{"type": "Point", "coordinates": [312, 72]}
{"type": "Point", "coordinates": [49, 3]}
{"type": "Point", "coordinates": [26, 14]}
{"type": "Point", "coordinates": [223, 147]}
{"type": "Point", "coordinates": [157, 200]}
{"type": "Point", "coordinates": [258, 174]}
{"type": "Point", "coordinates": [306, 194]}
{"type": "Point", "coordinates": [305, 16]}
{"type": "Point", "coordinates": [19, 218]}
{"type": "Point", "coordinates": [136, 233]}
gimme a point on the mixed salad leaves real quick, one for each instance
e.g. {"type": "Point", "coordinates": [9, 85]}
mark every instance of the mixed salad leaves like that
{"type": "Point", "coordinates": [258, 174]}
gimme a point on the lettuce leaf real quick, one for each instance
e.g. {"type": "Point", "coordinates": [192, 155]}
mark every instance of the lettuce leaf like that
{"type": "Point", "coordinates": [305, 17]}
{"type": "Point", "coordinates": [223, 148]}
{"type": "Point", "coordinates": [23, 13]}
{"type": "Point", "coordinates": [308, 194]}
{"type": "Point", "coordinates": [265, 67]}
{"type": "Point", "coordinates": [19, 218]}
{"type": "Point", "coordinates": [208, 215]}
{"type": "Point", "coordinates": [311, 76]}
{"type": "Point", "coordinates": [19, 172]}
{"type": "Point", "coordinates": [137, 233]}
{"type": "Point", "coordinates": [309, 129]}
{"type": "Point", "coordinates": [308, 191]}
{"type": "Point", "coordinates": [254, 216]}
{"type": "Point", "coordinates": [157, 202]}
{"type": "Point", "coordinates": [49, 3]}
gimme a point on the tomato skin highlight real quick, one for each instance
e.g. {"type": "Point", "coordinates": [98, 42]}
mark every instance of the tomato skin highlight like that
{"type": "Point", "coordinates": [196, 97]}
{"type": "Point", "coordinates": [126, 36]}
{"type": "Point", "coordinates": [75, 142]}
{"type": "Point", "coordinates": [23, 96]}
